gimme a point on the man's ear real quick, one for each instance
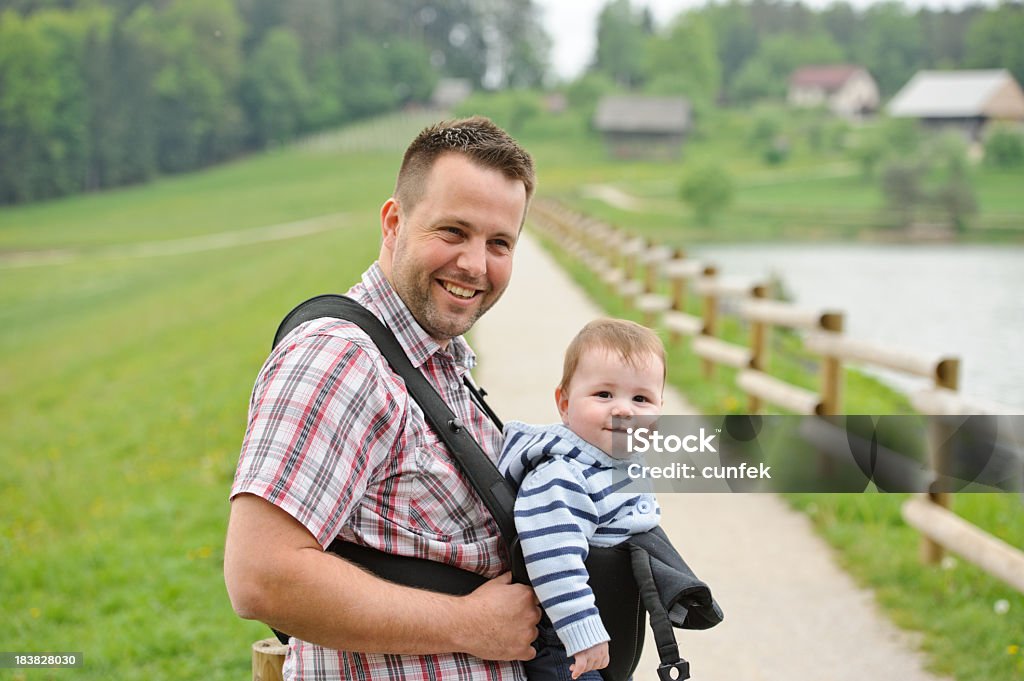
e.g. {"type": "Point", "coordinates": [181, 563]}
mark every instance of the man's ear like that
{"type": "Point", "coordinates": [389, 222]}
{"type": "Point", "coordinates": [562, 402]}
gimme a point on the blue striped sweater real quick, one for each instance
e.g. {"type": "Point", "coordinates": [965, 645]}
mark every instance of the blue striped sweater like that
{"type": "Point", "coordinates": [568, 500]}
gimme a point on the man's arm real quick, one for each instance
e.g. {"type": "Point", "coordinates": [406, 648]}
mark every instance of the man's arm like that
{"type": "Point", "coordinates": [277, 573]}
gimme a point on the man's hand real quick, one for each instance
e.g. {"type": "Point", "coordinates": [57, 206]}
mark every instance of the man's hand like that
{"type": "Point", "coordinates": [595, 657]}
{"type": "Point", "coordinates": [501, 620]}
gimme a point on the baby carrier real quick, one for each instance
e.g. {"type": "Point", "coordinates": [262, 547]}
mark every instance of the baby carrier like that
{"type": "Point", "coordinates": [643, 575]}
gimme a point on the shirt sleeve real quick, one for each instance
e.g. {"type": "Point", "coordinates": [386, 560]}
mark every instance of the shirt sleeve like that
{"type": "Point", "coordinates": [322, 419]}
{"type": "Point", "coordinates": [555, 518]}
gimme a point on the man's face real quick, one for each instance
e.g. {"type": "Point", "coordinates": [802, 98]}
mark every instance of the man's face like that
{"type": "Point", "coordinates": [450, 257]}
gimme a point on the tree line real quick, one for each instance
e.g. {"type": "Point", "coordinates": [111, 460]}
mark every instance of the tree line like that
{"type": "Point", "coordinates": [101, 93]}
{"type": "Point", "coordinates": [742, 51]}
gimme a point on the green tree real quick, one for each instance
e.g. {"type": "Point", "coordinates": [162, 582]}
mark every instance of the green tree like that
{"type": "Point", "coordinates": [685, 61]}
{"type": "Point", "coordinates": [29, 100]}
{"type": "Point", "coordinates": [517, 46]}
{"type": "Point", "coordinates": [196, 45]}
{"type": "Point", "coordinates": [889, 45]}
{"type": "Point", "coordinates": [1004, 148]}
{"type": "Point", "coordinates": [365, 79]}
{"type": "Point", "coordinates": [708, 190]}
{"type": "Point", "coordinates": [409, 72]}
{"type": "Point", "coordinates": [736, 37]}
{"type": "Point", "coordinates": [621, 43]}
{"type": "Point", "coordinates": [766, 75]}
{"type": "Point", "coordinates": [274, 90]}
{"type": "Point", "coordinates": [996, 40]}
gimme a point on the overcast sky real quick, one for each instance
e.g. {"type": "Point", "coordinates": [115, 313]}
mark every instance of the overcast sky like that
{"type": "Point", "coordinates": [571, 24]}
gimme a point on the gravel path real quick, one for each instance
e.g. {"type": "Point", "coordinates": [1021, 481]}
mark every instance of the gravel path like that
{"type": "Point", "coordinates": [791, 613]}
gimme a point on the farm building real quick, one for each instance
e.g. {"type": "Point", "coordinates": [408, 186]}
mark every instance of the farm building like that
{"type": "Point", "coordinates": [636, 126]}
{"type": "Point", "coordinates": [962, 100]}
{"type": "Point", "coordinates": [845, 90]}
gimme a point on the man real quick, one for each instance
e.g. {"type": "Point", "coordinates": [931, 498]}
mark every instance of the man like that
{"type": "Point", "coordinates": [335, 445]}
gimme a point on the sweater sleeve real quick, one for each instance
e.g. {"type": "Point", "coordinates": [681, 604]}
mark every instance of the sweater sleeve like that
{"type": "Point", "coordinates": [555, 518]}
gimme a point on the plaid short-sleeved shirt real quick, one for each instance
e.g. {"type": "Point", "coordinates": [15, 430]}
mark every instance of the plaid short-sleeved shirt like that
{"type": "Point", "coordinates": [334, 439]}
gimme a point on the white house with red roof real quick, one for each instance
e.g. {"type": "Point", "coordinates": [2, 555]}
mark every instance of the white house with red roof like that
{"type": "Point", "coordinates": [844, 89]}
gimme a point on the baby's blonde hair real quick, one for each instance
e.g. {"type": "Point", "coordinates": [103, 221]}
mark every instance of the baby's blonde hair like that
{"type": "Point", "coordinates": [634, 343]}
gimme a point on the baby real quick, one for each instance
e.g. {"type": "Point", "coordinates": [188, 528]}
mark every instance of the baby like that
{"type": "Point", "coordinates": [614, 371]}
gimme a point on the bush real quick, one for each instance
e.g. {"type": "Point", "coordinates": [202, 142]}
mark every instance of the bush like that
{"type": "Point", "coordinates": [1004, 148]}
{"type": "Point", "coordinates": [777, 152]}
{"type": "Point", "coordinates": [708, 190]}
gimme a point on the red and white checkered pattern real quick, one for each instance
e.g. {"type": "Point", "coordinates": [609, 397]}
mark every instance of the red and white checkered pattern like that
{"type": "Point", "coordinates": [334, 440]}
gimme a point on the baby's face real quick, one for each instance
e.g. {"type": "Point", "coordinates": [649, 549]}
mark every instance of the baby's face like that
{"type": "Point", "coordinates": [605, 387]}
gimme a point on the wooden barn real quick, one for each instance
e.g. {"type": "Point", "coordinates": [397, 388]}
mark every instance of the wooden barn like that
{"type": "Point", "coordinates": [636, 126]}
{"type": "Point", "coordinates": [966, 101]}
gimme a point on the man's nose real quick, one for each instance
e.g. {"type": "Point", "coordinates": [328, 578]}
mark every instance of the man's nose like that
{"type": "Point", "coordinates": [473, 259]}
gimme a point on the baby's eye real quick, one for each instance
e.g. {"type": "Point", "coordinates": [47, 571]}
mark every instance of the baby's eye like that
{"type": "Point", "coordinates": [640, 398]}
{"type": "Point", "coordinates": [603, 394]}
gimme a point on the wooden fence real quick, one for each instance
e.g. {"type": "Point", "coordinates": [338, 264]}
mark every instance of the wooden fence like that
{"type": "Point", "coordinates": [656, 281]}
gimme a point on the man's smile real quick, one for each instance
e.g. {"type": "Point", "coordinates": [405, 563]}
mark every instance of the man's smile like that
{"type": "Point", "coordinates": [460, 292]}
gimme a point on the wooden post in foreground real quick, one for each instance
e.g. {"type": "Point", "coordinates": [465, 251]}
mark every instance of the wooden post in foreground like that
{"type": "Point", "coordinates": [268, 660]}
{"type": "Point", "coordinates": [831, 368]}
{"type": "Point", "coordinates": [678, 292]}
{"type": "Point", "coordinates": [947, 375]}
{"type": "Point", "coordinates": [710, 310]}
{"type": "Point", "coordinates": [758, 347]}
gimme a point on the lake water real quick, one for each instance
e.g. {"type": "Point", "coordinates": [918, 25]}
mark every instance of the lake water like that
{"type": "Point", "coordinates": [960, 300]}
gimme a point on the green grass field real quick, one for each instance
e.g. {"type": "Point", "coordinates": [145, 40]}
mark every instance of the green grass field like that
{"type": "Point", "coordinates": [125, 382]}
{"type": "Point", "coordinates": [123, 393]}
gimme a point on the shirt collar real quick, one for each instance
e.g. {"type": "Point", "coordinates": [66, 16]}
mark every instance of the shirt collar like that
{"type": "Point", "coordinates": [376, 293]}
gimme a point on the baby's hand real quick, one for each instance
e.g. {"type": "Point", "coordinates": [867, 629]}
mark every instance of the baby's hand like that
{"type": "Point", "coordinates": [595, 657]}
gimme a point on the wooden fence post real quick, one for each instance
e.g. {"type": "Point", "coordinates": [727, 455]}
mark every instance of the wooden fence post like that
{"type": "Point", "coordinates": [710, 314]}
{"type": "Point", "coordinates": [758, 345]}
{"type": "Point", "coordinates": [831, 369]}
{"type": "Point", "coordinates": [678, 293]}
{"type": "Point", "coordinates": [268, 660]}
{"type": "Point", "coordinates": [947, 375]}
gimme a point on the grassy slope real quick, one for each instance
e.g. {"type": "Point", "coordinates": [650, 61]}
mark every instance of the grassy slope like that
{"type": "Point", "coordinates": [123, 393]}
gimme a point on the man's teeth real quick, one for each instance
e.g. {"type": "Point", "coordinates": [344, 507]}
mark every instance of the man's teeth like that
{"type": "Point", "coordinates": [458, 290]}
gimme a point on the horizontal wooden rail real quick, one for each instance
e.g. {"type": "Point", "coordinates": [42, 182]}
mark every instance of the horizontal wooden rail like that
{"type": "Point", "coordinates": [685, 269]}
{"type": "Point", "coordinates": [714, 286]}
{"type": "Point", "coordinates": [781, 313]}
{"type": "Point", "coordinates": [944, 527]}
{"type": "Point", "coordinates": [686, 324]}
{"type": "Point", "coordinates": [721, 352]}
{"type": "Point", "coordinates": [943, 402]}
{"type": "Point", "coordinates": [934, 367]}
{"type": "Point", "coordinates": [630, 288]}
{"type": "Point", "coordinates": [653, 302]}
{"type": "Point", "coordinates": [782, 394]}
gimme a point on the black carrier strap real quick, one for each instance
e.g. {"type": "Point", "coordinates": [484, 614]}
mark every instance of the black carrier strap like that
{"type": "Point", "coordinates": [494, 490]}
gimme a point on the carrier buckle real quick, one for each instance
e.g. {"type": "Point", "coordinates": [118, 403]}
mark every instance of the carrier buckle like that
{"type": "Point", "coordinates": [674, 671]}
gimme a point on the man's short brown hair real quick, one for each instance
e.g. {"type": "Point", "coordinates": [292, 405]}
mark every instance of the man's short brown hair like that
{"type": "Point", "coordinates": [477, 138]}
{"type": "Point", "coordinates": [635, 345]}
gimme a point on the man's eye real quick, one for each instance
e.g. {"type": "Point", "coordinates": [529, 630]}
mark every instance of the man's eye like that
{"type": "Point", "coordinates": [453, 230]}
{"type": "Point", "coordinates": [502, 244]}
